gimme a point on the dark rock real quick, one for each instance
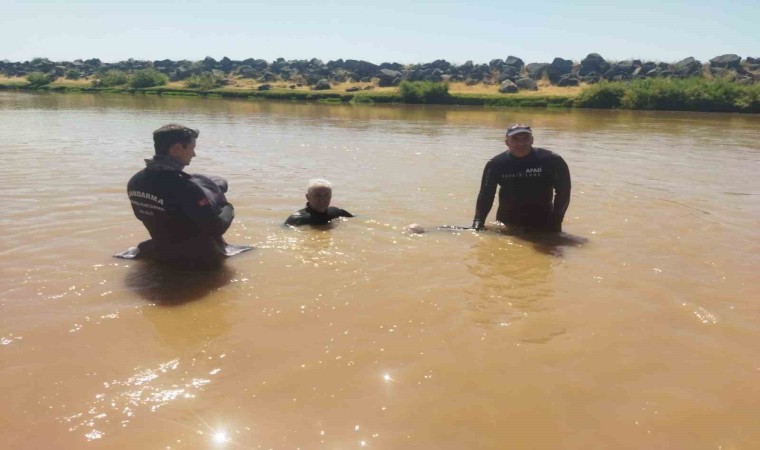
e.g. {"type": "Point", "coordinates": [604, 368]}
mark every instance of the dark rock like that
{"type": "Point", "coordinates": [225, 64]}
{"type": "Point", "coordinates": [209, 63]}
{"type": "Point", "coordinates": [388, 77]}
{"type": "Point", "coordinates": [568, 80]}
{"type": "Point", "coordinates": [247, 71]}
{"type": "Point", "coordinates": [745, 81]}
{"type": "Point", "coordinates": [506, 76]}
{"type": "Point", "coordinates": [593, 62]}
{"type": "Point", "coordinates": [515, 63]}
{"type": "Point", "coordinates": [353, 89]}
{"type": "Point", "coordinates": [752, 60]}
{"type": "Point", "coordinates": [508, 87]}
{"type": "Point", "coordinates": [496, 64]}
{"type": "Point", "coordinates": [729, 61]}
{"type": "Point", "coordinates": [526, 84]}
{"type": "Point", "coordinates": [647, 66]}
{"type": "Point", "coordinates": [558, 68]}
{"type": "Point", "coordinates": [392, 66]}
{"type": "Point", "coordinates": [441, 64]}
{"type": "Point", "coordinates": [536, 70]}
{"type": "Point", "coordinates": [688, 67]}
{"type": "Point", "coordinates": [264, 87]}
{"type": "Point", "coordinates": [322, 85]}
{"type": "Point", "coordinates": [435, 75]}
{"type": "Point", "coordinates": [292, 86]}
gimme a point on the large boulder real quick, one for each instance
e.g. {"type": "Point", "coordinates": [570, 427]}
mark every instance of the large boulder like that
{"type": "Point", "coordinates": [568, 80]}
{"type": "Point", "coordinates": [388, 77]}
{"type": "Point", "coordinates": [496, 64]}
{"type": "Point", "coordinates": [593, 62]}
{"type": "Point", "coordinates": [322, 85]}
{"type": "Point", "coordinates": [441, 64]}
{"type": "Point", "coordinates": [558, 68]}
{"type": "Point", "coordinates": [515, 63]}
{"type": "Point", "coordinates": [361, 68]}
{"type": "Point", "coordinates": [688, 67]}
{"type": "Point", "coordinates": [729, 61]}
{"type": "Point", "coordinates": [508, 87]}
{"type": "Point", "coordinates": [536, 70]}
{"type": "Point", "coordinates": [526, 84]}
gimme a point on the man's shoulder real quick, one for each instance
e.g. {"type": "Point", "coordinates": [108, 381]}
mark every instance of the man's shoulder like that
{"type": "Point", "coordinates": [334, 211]}
{"type": "Point", "coordinates": [543, 153]}
{"type": "Point", "coordinates": [300, 217]}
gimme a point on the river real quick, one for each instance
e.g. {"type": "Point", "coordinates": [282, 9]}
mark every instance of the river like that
{"type": "Point", "coordinates": [639, 330]}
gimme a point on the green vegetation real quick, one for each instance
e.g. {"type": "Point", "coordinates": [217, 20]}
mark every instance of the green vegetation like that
{"type": "Point", "coordinates": [111, 78]}
{"type": "Point", "coordinates": [424, 92]}
{"type": "Point", "coordinates": [38, 79]}
{"type": "Point", "coordinates": [690, 94]}
{"type": "Point", "coordinates": [687, 94]}
{"type": "Point", "coordinates": [73, 74]}
{"type": "Point", "coordinates": [146, 78]}
{"type": "Point", "coordinates": [603, 95]}
{"type": "Point", "coordinates": [204, 82]}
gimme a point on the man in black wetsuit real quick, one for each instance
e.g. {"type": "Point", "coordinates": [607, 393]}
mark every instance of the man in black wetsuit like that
{"type": "Point", "coordinates": [535, 185]}
{"type": "Point", "coordinates": [186, 227]}
{"type": "Point", "coordinates": [318, 210]}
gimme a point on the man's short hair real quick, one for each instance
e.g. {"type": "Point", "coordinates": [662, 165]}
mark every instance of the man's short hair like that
{"type": "Point", "coordinates": [171, 134]}
{"type": "Point", "coordinates": [318, 183]}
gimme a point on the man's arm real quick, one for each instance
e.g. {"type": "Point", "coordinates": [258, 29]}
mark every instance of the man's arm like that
{"type": "Point", "coordinates": [561, 194]}
{"type": "Point", "coordinates": [485, 197]}
{"type": "Point", "coordinates": [197, 207]}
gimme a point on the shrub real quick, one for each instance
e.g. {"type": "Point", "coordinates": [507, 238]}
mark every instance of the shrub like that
{"type": "Point", "coordinates": [204, 82]}
{"type": "Point", "coordinates": [424, 92]}
{"type": "Point", "coordinates": [111, 78]}
{"type": "Point", "coordinates": [37, 79]}
{"type": "Point", "coordinates": [147, 78]}
{"type": "Point", "coordinates": [73, 74]}
{"type": "Point", "coordinates": [601, 95]}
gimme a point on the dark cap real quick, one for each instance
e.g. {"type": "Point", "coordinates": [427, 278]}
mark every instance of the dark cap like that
{"type": "Point", "coordinates": [518, 128]}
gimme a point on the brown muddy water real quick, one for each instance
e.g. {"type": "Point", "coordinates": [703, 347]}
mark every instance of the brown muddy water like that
{"type": "Point", "coordinates": [639, 331]}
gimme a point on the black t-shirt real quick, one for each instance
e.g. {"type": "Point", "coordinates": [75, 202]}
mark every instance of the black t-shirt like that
{"type": "Point", "coordinates": [308, 216]}
{"type": "Point", "coordinates": [185, 226]}
{"type": "Point", "coordinates": [534, 190]}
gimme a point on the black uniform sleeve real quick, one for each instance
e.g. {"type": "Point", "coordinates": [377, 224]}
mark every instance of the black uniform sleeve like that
{"type": "Point", "coordinates": [485, 197]}
{"type": "Point", "coordinates": [561, 194]}
{"type": "Point", "coordinates": [196, 206]}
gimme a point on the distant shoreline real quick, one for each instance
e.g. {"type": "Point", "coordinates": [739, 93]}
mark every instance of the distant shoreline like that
{"type": "Point", "coordinates": [727, 83]}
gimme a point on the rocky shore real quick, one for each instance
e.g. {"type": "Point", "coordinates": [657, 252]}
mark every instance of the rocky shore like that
{"type": "Point", "coordinates": [510, 74]}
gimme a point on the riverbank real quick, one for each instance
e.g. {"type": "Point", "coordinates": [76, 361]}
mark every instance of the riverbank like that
{"type": "Point", "coordinates": [664, 94]}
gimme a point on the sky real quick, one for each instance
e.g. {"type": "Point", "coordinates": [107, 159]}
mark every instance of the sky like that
{"type": "Point", "coordinates": [378, 31]}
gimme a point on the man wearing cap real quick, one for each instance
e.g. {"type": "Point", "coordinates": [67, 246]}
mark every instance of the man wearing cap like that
{"type": "Point", "coordinates": [535, 185]}
{"type": "Point", "coordinates": [186, 226]}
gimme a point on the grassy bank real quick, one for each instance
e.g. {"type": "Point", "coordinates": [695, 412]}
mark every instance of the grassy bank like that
{"type": "Point", "coordinates": [693, 94]}
{"type": "Point", "coordinates": [689, 94]}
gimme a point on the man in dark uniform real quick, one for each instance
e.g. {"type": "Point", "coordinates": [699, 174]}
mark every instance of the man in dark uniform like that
{"type": "Point", "coordinates": [186, 227]}
{"type": "Point", "coordinates": [318, 210]}
{"type": "Point", "coordinates": [535, 185]}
